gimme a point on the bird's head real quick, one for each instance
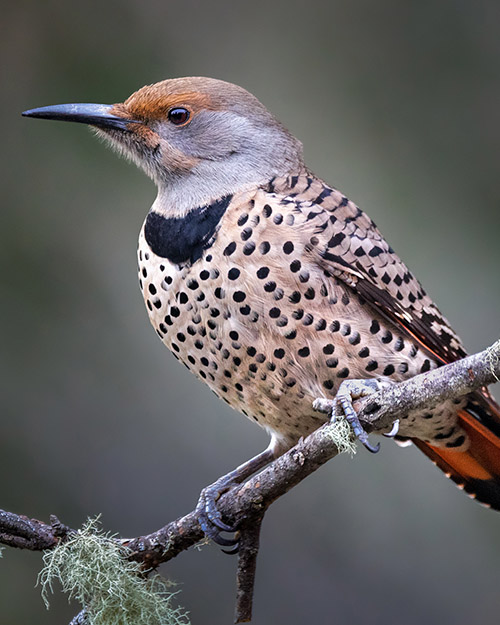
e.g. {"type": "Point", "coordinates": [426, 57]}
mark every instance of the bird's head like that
{"type": "Point", "coordinates": [197, 138]}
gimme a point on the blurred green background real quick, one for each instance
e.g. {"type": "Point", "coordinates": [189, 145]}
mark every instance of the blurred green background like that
{"type": "Point", "coordinates": [397, 104]}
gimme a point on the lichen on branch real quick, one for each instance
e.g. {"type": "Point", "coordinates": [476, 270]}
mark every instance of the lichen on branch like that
{"type": "Point", "coordinates": [93, 568]}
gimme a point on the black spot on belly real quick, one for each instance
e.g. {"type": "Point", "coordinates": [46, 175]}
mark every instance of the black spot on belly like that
{"type": "Point", "coordinates": [183, 239]}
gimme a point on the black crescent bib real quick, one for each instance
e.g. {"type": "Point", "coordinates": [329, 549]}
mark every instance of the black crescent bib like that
{"type": "Point", "coordinates": [184, 239]}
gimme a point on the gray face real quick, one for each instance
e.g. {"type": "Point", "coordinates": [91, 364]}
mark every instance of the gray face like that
{"type": "Point", "coordinates": [223, 145]}
{"type": "Point", "coordinates": [213, 135]}
{"type": "Point", "coordinates": [226, 142]}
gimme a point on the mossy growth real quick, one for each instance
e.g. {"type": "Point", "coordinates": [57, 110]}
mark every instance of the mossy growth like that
{"type": "Point", "coordinates": [340, 432]}
{"type": "Point", "coordinates": [92, 568]}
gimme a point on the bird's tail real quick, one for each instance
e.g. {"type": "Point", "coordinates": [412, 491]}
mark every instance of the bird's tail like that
{"type": "Point", "coordinates": [476, 470]}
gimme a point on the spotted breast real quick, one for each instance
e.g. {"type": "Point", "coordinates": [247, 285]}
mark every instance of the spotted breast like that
{"type": "Point", "coordinates": [263, 307]}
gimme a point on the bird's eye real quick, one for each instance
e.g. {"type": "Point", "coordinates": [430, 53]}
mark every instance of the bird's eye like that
{"type": "Point", "coordinates": [178, 116]}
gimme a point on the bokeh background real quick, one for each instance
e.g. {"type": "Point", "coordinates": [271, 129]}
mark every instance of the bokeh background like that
{"type": "Point", "coordinates": [397, 104]}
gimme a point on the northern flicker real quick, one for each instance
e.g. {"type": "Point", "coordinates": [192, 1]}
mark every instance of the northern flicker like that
{"type": "Point", "coordinates": [272, 286]}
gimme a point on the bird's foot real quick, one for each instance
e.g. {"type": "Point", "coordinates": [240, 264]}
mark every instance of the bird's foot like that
{"type": "Point", "coordinates": [349, 391]}
{"type": "Point", "coordinates": [210, 518]}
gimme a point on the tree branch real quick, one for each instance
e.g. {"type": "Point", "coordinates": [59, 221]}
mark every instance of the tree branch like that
{"type": "Point", "coordinates": [247, 563]}
{"type": "Point", "coordinates": [245, 505]}
{"type": "Point", "coordinates": [24, 533]}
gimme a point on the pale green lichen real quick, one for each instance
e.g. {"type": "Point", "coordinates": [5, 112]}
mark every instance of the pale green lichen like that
{"type": "Point", "coordinates": [92, 568]}
{"type": "Point", "coordinates": [340, 432]}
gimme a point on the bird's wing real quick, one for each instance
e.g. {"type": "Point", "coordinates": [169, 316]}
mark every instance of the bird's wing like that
{"type": "Point", "coordinates": [346, 243]}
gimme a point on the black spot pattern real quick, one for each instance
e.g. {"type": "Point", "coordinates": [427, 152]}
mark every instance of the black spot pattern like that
{"type": "Point", "coordinates": [268, 308]}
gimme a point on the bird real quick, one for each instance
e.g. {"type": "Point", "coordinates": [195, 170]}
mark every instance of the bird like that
{"type": "Point", "coordinates": [273, 287]}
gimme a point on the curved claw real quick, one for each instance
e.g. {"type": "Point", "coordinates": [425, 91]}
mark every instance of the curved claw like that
{"type": "Point", "coordinates": [224, 527]}
{"type": "Point", "coordinates": [225, 542]}
{"type": "Point", "coordinates": [233, 551]}
{"type": "Point", "coordinates": [208, 514]}
{"type": "Point", "coordinates": [214, 534]}
{"type": "Point", "coordinates": [213, 514]}
{"type": "Point", "coordinates": [394, 430]}
{"type": "Point", "coordinates": [210, 518]}
{"type": "Point", "coordinates": [348, 391]}
{"type": "Point", "coordinates": [363, 438]}
{"type": "Point", "coordinates": [372, 448]}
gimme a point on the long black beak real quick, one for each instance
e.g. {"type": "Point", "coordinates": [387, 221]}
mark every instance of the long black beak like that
{"type": "Point", "coordinates": [93, 114]}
